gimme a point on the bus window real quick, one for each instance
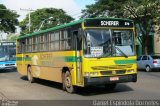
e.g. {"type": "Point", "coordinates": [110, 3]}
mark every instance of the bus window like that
{"type": "Point", "coordinates": [123, 39]}
{"type": "Point", "coordinates": [21, 46]}
{"type": "Point", "coordinates": [56, 40]}
{"type": "Point", "coordinates": [97, 43]}
{"type": "Point", "coordinates": [65, 40]}
{"type": "Point", "coordinates": [78, 40]}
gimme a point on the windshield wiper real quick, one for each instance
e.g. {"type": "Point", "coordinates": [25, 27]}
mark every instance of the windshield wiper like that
{"type": "Point", "coordinates": [121, 51]}
{"type": "Point", "coordinates": [108, 54]}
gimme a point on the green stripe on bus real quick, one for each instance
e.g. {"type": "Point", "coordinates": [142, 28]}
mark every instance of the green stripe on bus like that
{"type": "Point", "coordinates": [23, 59]}
{"type": "Point", "coordinates": [125, 61]}
{"type": "Point", "coordinates": [27, 58]}
{"type": "Point", "coordinates": [66, 58]}
{"type": "Point", "coordinates": [72, 59]}
{"type": "Point", "coordinates": [19, 58]}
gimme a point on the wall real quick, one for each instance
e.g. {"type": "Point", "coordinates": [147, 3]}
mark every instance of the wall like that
{"type": "Point", "coordinates": [157, 41]}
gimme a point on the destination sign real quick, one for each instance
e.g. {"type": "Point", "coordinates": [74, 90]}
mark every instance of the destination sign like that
{"type": "Point", "coordinates": [6, 43]}
{"type": "Point", "coordinates": [108, 23]}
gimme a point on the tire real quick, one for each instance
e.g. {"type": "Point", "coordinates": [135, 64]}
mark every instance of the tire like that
{"type": "Point", "coordinates": [63, 81]}
{"type": "Point", "coordinates": [148, 69]}
{"type": "Point", "coordinates": [29, 75]}
{"type": "Point", "coordinates": [110, 86]}
{"type": "Point", "coordinates": [67, 83]}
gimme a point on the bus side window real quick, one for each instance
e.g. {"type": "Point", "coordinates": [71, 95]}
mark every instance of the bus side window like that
{"type": "Point", "coordinates": [21, 46]}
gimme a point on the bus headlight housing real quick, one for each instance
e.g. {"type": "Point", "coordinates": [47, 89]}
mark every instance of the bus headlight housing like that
{"type": "Point", "coordinates": [93, 73]}
{"type": "Point", "coordinates": [1, 65]}
{"type": "Point", "coordinates": [86, 74]}
{"type": "Point", "coordinates": [130, 71]}
{"type": "Point", "coordinates": [90, 74]}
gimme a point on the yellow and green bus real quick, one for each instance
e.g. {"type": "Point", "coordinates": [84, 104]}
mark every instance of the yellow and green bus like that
{"type": "Point", "coordinates": [91, 51]}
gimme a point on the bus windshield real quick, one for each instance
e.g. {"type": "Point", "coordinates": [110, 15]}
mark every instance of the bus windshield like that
{"type": "Point", "coordinates": [4, 57]}
{"type": "Point", "coordinates": [104, 43]}
{"type": "Point", "coordinates": [7, 53]}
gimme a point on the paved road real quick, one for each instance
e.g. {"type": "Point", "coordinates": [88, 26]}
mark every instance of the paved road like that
{"type": "Point", "coordinates": [13, 86]}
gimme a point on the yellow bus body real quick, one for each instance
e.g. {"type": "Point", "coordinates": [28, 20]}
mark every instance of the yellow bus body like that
{"type": "Point", "coordinates": [49, 66]}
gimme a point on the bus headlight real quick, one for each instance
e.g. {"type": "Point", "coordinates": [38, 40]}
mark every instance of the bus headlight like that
{"type": "Point", "coordinates": [90, 74]}
{"type": "Point", "coordinates": [93, 73]}
{"type": "Point", "coordinates": [130, 71]}
{"type": "Point", "coordinates": [86, 74]}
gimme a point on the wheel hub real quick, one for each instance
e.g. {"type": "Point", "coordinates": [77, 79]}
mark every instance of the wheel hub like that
{"type": "Point", "coordinates": [68, 82]}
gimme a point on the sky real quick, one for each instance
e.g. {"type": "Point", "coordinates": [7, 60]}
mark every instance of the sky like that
{"type": "Point", "coordinates": [72, 7]}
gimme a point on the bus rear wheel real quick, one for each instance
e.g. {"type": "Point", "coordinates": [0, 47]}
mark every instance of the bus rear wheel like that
{"type": "Point", "coordinates": [29, 75]}
{"type": "Point", "coordinates": [67, 82]}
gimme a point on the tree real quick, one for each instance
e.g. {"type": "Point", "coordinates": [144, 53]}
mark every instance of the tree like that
{"type": "Point", "coordinates": [104, 8]}
{"type": "Point", "coordinates": [8, 20]}
{"type": "Point", "coordinates": [145, 14]}
{"type": "Point", "coordinates": [11, 37]}
{"type": "Point", "coordinates": [43, 16]}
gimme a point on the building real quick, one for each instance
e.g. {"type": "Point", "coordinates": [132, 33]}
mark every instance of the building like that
{"type": "Point", "coordinates": [157, 41]}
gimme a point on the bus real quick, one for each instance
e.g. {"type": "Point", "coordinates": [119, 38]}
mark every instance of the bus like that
{"type": "Point", "coordinates": [86, 52]}
{"type": "Point", "coordinates": [7, 55]}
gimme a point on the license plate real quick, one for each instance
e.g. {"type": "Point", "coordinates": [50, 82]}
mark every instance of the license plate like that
{"type": "Point", "coordinates": [114, 78]}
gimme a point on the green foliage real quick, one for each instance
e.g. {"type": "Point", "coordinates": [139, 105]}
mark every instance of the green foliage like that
{"type": "Point", "coordinates": [104, 8]}
{"type": "Point", "coordinates": [145, 14]}
{"type": "Point", "coordinates": [11, 37]}
{"type": "Point", "coordinates": [8, 20]}
{"type": "Point", "coordinates": [43, 16]}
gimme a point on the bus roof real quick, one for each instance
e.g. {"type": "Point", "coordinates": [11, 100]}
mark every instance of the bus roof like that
{"type": "Point", "coordinates": [64, 26]}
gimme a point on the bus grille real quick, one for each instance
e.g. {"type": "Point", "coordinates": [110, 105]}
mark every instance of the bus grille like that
{"type": "Point", "coordinates": [113, 72]}
{"type": "Point", "coordinates": [9, 64]}
{"type": "Point", "coordinates": [112, 67]}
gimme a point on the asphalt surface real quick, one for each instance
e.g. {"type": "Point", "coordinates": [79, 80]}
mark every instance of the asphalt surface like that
{"type": "Point", "coordinates": [13, 86]}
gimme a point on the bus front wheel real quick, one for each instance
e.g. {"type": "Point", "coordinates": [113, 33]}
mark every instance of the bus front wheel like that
{"type": "Point", "coordinates": [29, 75]}
{"type": "Point", "coordinates": [67, 82]}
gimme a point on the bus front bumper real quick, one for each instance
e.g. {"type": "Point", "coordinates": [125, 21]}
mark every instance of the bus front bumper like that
{"type": "Point", "coordinates": [89, 81]}
{"type": "Point", "coordinates": [9, 67]}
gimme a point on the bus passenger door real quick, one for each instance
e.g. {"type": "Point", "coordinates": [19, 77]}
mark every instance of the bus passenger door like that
{"type": "Point", "coordinates": [78, 48]}
{"type": "Point", "coordinates": [20, 58]}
